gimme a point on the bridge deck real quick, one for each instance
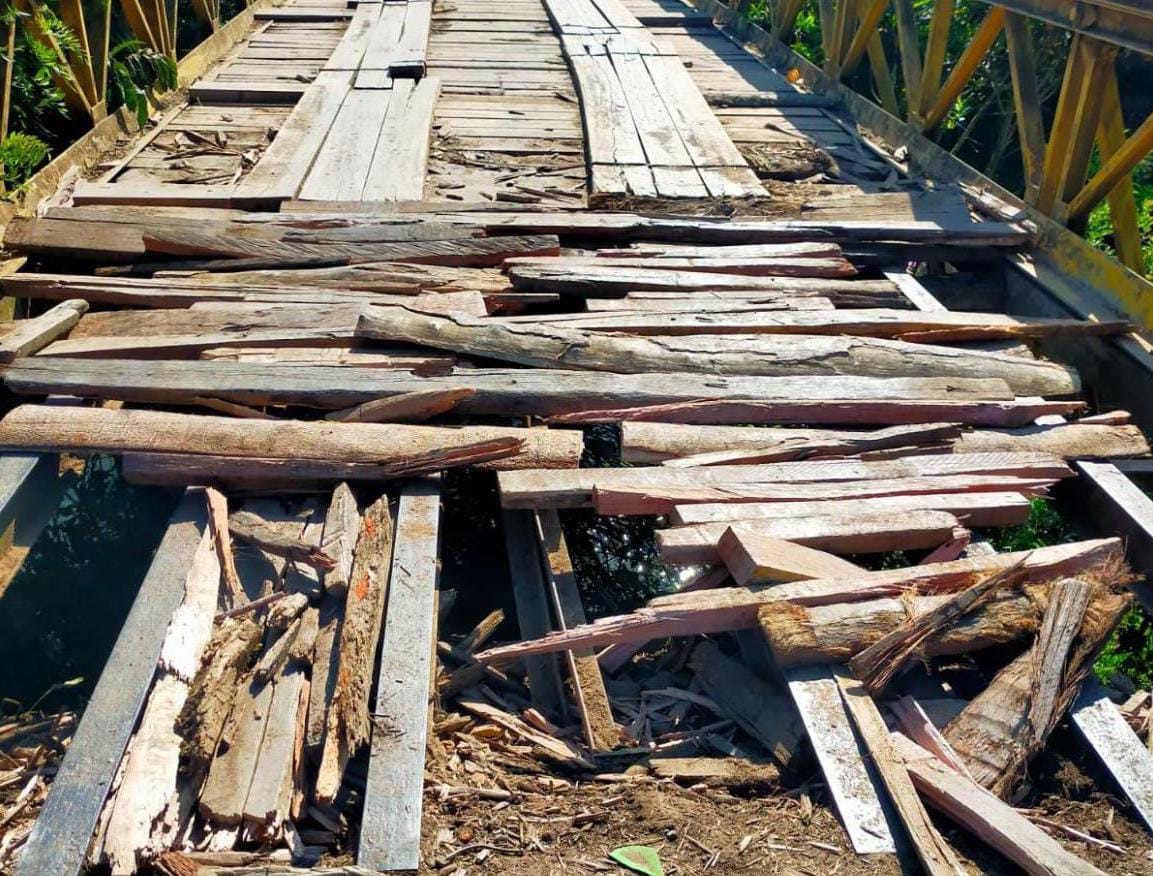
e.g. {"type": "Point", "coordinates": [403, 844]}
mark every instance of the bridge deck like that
{"type": "Point", "coordinates": [551, 212]}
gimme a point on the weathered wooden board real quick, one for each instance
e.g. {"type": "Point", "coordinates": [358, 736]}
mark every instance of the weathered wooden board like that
{"type": "Point", "coordinates": [390, 825]}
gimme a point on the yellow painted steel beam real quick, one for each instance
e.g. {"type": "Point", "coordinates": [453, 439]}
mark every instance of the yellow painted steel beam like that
{"type": "Point", "coordinates": [879, 63]}
{"type": "Point", "coordinates": [934, 58]}
{"type": "Point", "coordinates": [909, 45]}
{"type": "Point", "coordinates": [866, 32]}
{"type": "Point", "coordinates": [1122, 203]}
{"type": "Point", "coordinates": [1125, 23]}
{"type": "Point", "coordinates": [1075, 123]}
{"type": "Point", "coordinates": [1027, 100]}
{"type": "Point", "coordinates": [1113, 171]}
{"type": "Point", "coordinates": [966, 66]}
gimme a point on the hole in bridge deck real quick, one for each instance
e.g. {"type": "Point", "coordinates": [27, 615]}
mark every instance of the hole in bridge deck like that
{"type": "Point", "coordinates": [62, 611]}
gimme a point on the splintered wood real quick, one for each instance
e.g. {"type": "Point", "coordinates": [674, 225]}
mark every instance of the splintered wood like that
{"type": "Point", "coordinates": [387, 273]}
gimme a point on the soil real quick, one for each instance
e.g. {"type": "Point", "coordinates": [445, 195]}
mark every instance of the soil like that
{"type": "Point", "coordinates": [554, 822]}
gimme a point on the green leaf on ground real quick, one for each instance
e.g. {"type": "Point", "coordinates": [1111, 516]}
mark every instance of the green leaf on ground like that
{"type": "Point", "coordinates": [640, 859]}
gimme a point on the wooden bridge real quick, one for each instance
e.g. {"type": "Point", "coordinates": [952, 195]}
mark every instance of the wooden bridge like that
{"type": "Point", "coordinates": [482, 219]}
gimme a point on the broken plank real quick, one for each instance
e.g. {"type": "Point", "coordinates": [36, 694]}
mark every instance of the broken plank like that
{"type": "Point", "coordinates": [727, 609]}
{"type": "Point", "coordinates": [375, 445]}
{"type": "Point", "coordinates": [59, 841]}
{"type": "Point", "coordinates": [574, 489]}
{"type": "Point", "coordinates": [991, 820]}
{"type": "Point", "coordinates": [30, 336]}
{"type": "Point", "coordinates": [592, 701]}
{"type": "Point", "coordinates": [349, 723]}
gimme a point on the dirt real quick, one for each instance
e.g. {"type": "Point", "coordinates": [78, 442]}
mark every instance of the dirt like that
{"type": "Point", "coordinates": [556, 822]}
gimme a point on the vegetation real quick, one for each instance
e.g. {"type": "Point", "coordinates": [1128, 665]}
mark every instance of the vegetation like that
{"type": "Point", "coordinates": [40, 123]}
{"type": "Point", "coordinates": [133, 70]}
{"type": "Point", "coordinates": [981, 126]}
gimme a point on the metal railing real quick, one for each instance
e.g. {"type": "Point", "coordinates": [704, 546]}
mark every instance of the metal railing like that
{"type": "Point", "coordinates": [1056, 157]}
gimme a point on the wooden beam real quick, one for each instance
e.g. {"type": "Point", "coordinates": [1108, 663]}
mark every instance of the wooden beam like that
{"type": "Point", "coordinates": [390, 826]}
{"type": "Point", "coordinates": [1113, 171]}
{"type": "Point", "coordinates": [532, 609]}
{"type": "Point", "coordinates": [909, 45]}
{"type": "Point", "coordinates": [592, 700]}
{"type": "Point", "coordinates": [866, 32]}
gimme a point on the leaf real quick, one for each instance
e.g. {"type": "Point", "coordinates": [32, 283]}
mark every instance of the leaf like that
{"type": "Point", "coordinates": [639, 859]}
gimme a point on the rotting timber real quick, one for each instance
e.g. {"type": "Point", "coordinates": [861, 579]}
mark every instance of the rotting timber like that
{"type": "Point", "coordinates": [473, 233]}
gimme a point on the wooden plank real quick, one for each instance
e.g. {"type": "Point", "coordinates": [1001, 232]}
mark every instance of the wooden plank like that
{"type": "Point", "coordinates": [760, 708]}
{"type": "Point", "coordinates": [610, 133]}
{"type": "Point", "coordinates": [219, 91]}
{"type": "Point", "coordinates": [935, 855]}
{"type": "Point", "coordinates": [592, 701]}
{"type": "Point", "coordinates": [32, 335]}
{"type": "Point", "coordinates": [648, 444]}
{"type": "Point", "coordinates": [400, 161]}
{"type": "Point", "coordinates": [343, 161]}
{"type": "Point", "coordinates": [267, 804]}
{"type": "Point", "coordinates": [59, 841]}
{"type": "Point", "coordinates": [410, 56]}
{"type": "Point", "coordinates": [230, 776]}
{"type": "Point", "coordinates": [532, 610]}
{"type": "Point", "coordinates": [975, 509]}
{"type": "Point", "coordinates": [390, 825]}
{"type": "Point", "coordinates": [847, 400]}
{"type": "Point", "coordinates": [122, 430]}
{"type": "Point", "coordinates": [945, 327]}
{"type": "Point", "coordinates": [874, 533]}
{"type": "Point", "coordinates": [573, 347]}
{"type": "Point", "coordinates": [282, 168]}
{"type": "Point", "coordinates": [354, 42]}
{"type": "Point", "coordinates": [990, 819]}
{"type": "Point", "coordinates": [1121, 752]}
{"type": "Point", "coordinates": [574, 488]}
{"type": "Point", "coordinates": [755, 559]}
{"type": "Point", "coordinates": [851, 780]}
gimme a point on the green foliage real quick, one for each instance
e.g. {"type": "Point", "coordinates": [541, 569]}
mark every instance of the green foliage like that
{"type": "Point", "coordinates": [134, 69]}
{"type": "Point", "coordinates": [1045, 526]}
{"type": "Point", "coordinates": [1129, 651]}
{"type": "Point", "coordinates": [37, 103]}
{"type": "Point", "coordinates": [21, 155]}
{"type": "Point", "coordinates": [1099, 231]}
